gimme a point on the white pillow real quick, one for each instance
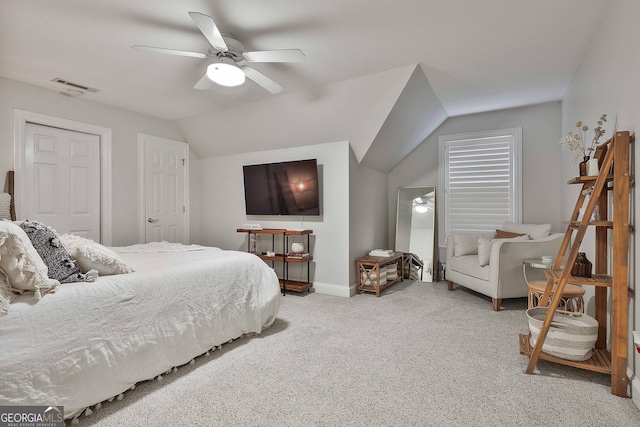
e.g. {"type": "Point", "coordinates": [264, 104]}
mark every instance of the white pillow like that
{"type": "Point", "coordinates": [100, 258]}
{"type": "Point", "coordinates": [467, 244]}
{"type": "Point", "coordinates": [91, 255]}
{"type": "Point", "coordinates": [6, 293]}
{"type": "Point", "coordinates": [14, 228]}
{"type": "Point", "coordinates": [71, 242]}
{"type": "Point", "coordinates": [484, 250]}
{"type": "Point", "coordinates": [536, 231]}
{"type": "Point", "coordinates": [20, 269]}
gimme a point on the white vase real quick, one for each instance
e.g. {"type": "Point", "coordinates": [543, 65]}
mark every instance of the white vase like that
{"type": "Point", "coordinates": [297, 248]}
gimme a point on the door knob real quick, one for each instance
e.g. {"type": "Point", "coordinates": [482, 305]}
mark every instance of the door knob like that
{"type": "Point", "coordinates": [152, 220]}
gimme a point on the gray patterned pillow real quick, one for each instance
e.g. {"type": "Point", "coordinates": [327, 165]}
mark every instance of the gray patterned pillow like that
{"type": "Point", "coordinates": [60, 264]}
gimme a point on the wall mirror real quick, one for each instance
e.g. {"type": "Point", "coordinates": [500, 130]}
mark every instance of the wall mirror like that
{"type": "Point", "coordinates": [415, 226]}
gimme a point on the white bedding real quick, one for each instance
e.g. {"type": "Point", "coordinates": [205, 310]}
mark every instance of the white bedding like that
{"type": "Point", "coordinates": [89, 342]}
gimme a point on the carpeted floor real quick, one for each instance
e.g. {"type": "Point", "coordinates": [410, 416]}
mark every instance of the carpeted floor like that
{"type": "Point", "coordinates": [417, 356]}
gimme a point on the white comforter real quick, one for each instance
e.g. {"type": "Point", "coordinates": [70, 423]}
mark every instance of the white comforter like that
{"type": "Point", "coordinates": [91, 341]}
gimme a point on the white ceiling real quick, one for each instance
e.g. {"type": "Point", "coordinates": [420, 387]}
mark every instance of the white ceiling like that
{"type": "Point", "coordinates": [477, 55]}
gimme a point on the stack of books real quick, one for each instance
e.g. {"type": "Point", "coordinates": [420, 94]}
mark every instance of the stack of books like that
{"type": "Point", "coordinates": [381, 252]}
{"type": "Point", "coordinates": [297, 255]}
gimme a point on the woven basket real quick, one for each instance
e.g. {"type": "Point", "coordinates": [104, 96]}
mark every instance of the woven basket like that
{"type": "Point", "coordinates": [571, 335]}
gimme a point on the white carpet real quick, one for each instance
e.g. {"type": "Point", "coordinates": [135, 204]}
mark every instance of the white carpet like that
{"type": "Point", "coordinates": [417, 356]}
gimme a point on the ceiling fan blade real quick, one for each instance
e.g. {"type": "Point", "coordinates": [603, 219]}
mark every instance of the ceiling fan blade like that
{"type": "Point", "coordinates": [210, 30]}
{"type": "Point", "coordinates": [261, 79]}
{"type": "Point", "coordinates": [204, 83]}
{"type": "Point", "coordinates": [284, 55]}
{"type": "Point", "coordinates": [169, 51]}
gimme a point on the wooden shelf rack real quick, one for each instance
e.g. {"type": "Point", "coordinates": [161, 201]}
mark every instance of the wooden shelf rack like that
{"type": "Point", "coordinates": [286, 284]}
{"type": "Point", "coordinates": [604, 186]}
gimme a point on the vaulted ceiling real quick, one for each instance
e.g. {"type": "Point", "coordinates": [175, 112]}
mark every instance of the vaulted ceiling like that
{"type": "Point", "coordinates": [472, 56]}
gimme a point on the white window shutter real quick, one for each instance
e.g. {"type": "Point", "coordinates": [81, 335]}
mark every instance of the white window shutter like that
{"type": "Point", "coordinates": [482, 181]}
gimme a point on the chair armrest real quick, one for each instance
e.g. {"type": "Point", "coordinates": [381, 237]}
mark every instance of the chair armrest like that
{"type": "Point", "coordinates": [449, 251]}
{"type": "Point", "coordinates": [506, 259]}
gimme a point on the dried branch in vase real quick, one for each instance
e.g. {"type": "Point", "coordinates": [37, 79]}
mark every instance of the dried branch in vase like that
{"type": "Point", "coordinates": [576, 141]}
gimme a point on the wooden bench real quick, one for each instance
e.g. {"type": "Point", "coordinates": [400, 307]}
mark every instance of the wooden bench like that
{"type": "Point", "coordinates": [369, 271]}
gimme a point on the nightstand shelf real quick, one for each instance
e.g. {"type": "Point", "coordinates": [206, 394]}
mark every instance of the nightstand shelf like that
{"type": "Point", "coordinates": [286, 284]}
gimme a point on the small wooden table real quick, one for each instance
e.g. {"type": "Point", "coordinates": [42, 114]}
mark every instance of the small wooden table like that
{"type": "Point", "coordinates": [369, 267]}
{"type": "Point", "coordinates": [572, 298]}
{"type": "Point", "coordinates": [535, 263]}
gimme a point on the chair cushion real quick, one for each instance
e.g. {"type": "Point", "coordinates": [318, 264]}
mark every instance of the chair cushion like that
{"type": "Point", "coordinates": [469, 265]}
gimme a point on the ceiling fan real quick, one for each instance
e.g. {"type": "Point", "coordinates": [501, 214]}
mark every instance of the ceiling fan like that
{"type": "Point", "coordinates": [230, 68]}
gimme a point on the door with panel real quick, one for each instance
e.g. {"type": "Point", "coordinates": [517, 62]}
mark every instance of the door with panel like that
{"type": "Point", "coordinates": [62, 178]}
{"type": "Point", "coordinates": [165, 213]}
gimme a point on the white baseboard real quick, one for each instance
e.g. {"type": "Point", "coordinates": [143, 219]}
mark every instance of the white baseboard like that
{"type": "Point", "coordinates": [331, 289]}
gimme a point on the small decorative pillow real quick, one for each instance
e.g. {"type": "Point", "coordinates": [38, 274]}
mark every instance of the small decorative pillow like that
{"type": "Point", "coordinates": [91, 255]}
{"type": "Point", "coordinates": [72, 242]}
{"type": "Point", "coordinates": [467, 244]}
{"type": "Point", "coordinates": [13, 227]}
{"type": "Point", "coordinates": [20, 270]}
{"type": "Point", "coordinates": [501, 234]}
{"type": "Point", "coordinates": [484, 250]}
{"type": "Point", "coordinates": [100, 258]}
{"type": "Point", "coordinates": [536, 231]}
{"type": "Point", "coordinates": [60, 264]}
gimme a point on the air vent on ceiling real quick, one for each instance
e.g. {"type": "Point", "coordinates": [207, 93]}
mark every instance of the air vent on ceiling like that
{"type": "Point", "coordinates": [75, 85]}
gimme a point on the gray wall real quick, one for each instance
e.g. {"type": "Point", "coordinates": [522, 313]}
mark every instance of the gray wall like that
{"type": "Point", "coordinates": [223, 209]}
{"type": "Point", "coordinates": [607, 82]}
{"type": "Point", "coordinates": [367, 213]}
{"type": "Point", "coordinates": [125, 127]}
{"type": "Point", "coordinates": [541, 162]}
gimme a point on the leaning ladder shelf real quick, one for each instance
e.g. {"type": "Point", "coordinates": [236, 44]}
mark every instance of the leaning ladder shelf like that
{"type": "Point", "coordinates": [601, 186]}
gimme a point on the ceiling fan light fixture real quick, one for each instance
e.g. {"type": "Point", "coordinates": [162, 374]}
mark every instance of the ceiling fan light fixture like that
{"type": "Point", "coordinates": [225, 73]}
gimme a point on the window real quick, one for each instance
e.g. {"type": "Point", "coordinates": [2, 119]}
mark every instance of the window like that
{"type": "Point", "coordinates": [480, 173]}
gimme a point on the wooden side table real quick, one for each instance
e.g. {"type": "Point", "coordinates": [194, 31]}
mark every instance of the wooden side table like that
{"type": "Point", "coordinates": [572, 298]}
{"type": "Point", "coordinates": [369, 267]}
{"type": "Point", "coordinates": [534, 263]}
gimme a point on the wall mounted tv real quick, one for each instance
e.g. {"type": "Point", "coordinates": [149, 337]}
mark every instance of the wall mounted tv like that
{"type": "Point", "coordinates": [285, 188]}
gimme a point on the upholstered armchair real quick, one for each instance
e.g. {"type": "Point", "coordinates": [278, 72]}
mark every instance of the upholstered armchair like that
{"type": "Point", "coordinates": [491, 264]}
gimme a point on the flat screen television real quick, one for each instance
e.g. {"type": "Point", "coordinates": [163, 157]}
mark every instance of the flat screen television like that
{"type": "Point", "coordinates": [284, 188]}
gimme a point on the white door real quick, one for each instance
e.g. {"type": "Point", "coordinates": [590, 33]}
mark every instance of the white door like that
{"type": "Point", "coordinates": [62, 178]}
{"type": "Point", "coordinates": [165, 213]}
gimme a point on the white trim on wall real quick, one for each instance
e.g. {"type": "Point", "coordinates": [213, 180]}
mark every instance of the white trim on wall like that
{"type": "Point", "coordinates": [20, 120]}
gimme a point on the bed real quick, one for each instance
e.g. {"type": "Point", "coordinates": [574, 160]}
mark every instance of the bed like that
{"type": "Point", "coordinates": [88, 342]}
